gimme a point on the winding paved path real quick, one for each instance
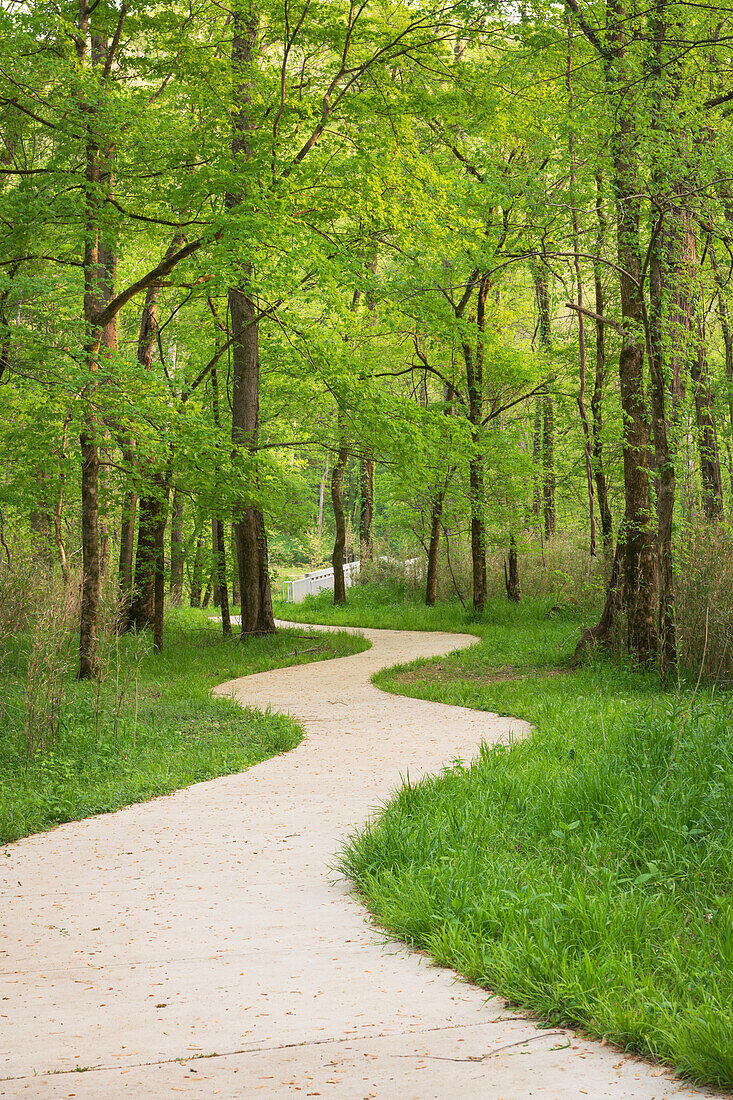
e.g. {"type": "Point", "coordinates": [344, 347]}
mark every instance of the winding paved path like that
{"type": "Point", "coordinates": [198, 945]}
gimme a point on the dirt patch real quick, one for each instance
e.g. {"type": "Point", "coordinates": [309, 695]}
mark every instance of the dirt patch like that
{"type": "Point", "coordinates": [449, 674]}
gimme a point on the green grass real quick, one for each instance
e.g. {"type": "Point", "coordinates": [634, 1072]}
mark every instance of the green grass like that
{"type": "Point", "coordinates": [584, 873]}
{"type": "Point", "coordinates": [153, 725]}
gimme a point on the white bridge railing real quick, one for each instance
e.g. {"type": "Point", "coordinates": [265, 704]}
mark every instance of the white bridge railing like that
{"type": "Point", "coordinates": [311, 584]}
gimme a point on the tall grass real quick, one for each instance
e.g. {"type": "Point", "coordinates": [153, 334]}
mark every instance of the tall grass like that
{"type": "Point", "coordinates": [150, 726]}
{"type": "Point", "coordinates": [584, 873]}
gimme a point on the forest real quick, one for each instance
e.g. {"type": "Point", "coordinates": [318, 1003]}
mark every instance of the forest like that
{"type": "Point", "coordinates": [291, 283]}
{"type": "Point", "coordinates": [480, 258]}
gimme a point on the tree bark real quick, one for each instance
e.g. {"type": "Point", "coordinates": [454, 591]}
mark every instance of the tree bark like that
{"type": "Point", "coordinates": [436, 516]}
{"type": "Point", "coordinates": [366, 508]}
{"type": "Point", "coordinates": [596, 405]}
{"type": "Point", "coordinates": [511, 573]}
{"type": "Point", "coordinates": [221, 571]}
{"type": "Point", "coordinates": [215, 586]}
{"type": "Point", "coordinates": [339, 545]}
{"type": "Point", "coordinates": [197, 567]}
{"type": "Point", "coordinates": [707, 439]}
{"type": "Point", "coordinates": [581, 319]}
{"type": "Point", "coordinates": [477, 495]}
{"type": "Point", "coordinates": [177, 555]}
{"type": "Point", "coordinates": [249, 524]}
{"type": "Point", "coordinates": [640, 581]}
{"type": "Point", "coordinates": [546, 427]}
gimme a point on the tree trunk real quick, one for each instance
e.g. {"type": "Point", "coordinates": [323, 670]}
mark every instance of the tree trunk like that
{"type": "Point", "coordinates": [596, 405]}
{"type": "Point", "coordinates": [127, 546]}
{"type": "Point", "coordinates": [640, 581]}
{"type": "Point", "coordinates": [707, 440]}
{"type": "Point", "coordinates": [537, 458]}
{"type": "Point", "coordinates": [366, 508]}
{"type": "Point", "coordinates": [339, 545]}
{"type": "Point", "coordinates": [581, 319]}
{"type": "Point", "coordinates": [197, 567]}
{"type": "Point", "coordinates": [321, 495]}
{"type": "Point", "coordinates": [249, 525]}
{"type": "Point", "coordinates": [600, 634]}
{"type": "Point", "coordinates": [90, 591]}
{"type": "Point", "coordinates": [477, 495]}
{"type": "Point", "coordinates": [547, 426]}
{"type": "Point", "coordinates": [177, 555]}
{"type": "Point", "coordinates": [236, 595]}
{"type": "Point", "coordinates": [221, 571]}
{"type": "Point", "coordinates": [511, 573]}
{"type": "Point", "coordinates": [436, 515]}
{"type": "Point", "coordinates": [151, 519]}
{"type": "Point", "coordinates": [215, 586]}
{"type": "Point", "coordinates": [548, 465]}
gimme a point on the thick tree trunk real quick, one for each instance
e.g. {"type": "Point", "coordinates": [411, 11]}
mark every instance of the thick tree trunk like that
{"type": "Point", "coordinates": [339, 545]}
{"type": "Point", "coordinates": [640, 580]}
{"type": "Point", "coordinates": [601, 633]}
{"type": "Point", "coordinates": [249, 524]}
{"type": "Point", "coordinates": [150, 521]}
{"type": "Point", "coordinates": [178, 557]}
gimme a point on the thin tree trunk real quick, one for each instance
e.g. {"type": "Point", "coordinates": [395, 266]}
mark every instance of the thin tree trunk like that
{"type": "Point", "coordinates": [581, 318]}
{"type": "Point", "coordinates": [548, 465]}
{"type": "Point", "coordinates": [511, 573]}
{"type": "Point", "coordinates": [707, 440]}
{"type": "Point", "coordinates": [177, 555]}
{"type": "Point", "coordinates": [537, 458]}
{"type": "Point", "coordinates": [321, 495]}
{"type": "Point", "coordinates": [366, 508]}
{"type": "Point", "coordinates": [215, 586]}
{"type": "Point", "coordinates": [221, 570]}
{"type": "Point", "coordinates": [436, 515]}
{"type": "Point", "coordinates": [475, 385]}
{"type": "Point", "coordinates": [236, 595]}
{"type": "Point", "coordinates": [547, 409]}
{"type": "Point", "coordinates": [127, 546]}
{"type": "Point", "coordinates": [339, 545]}
{"type": "Point", "coordinates": [600, 378]}
{"type": "Point", "coordinates": [197, 567]}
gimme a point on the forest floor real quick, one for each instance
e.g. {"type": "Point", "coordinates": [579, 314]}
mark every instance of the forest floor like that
{"type": "Point", "coordinates": [202, 943]}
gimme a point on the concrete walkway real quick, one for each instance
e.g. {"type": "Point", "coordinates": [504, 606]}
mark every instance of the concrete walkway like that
{"type": "Point", "coordinates": [199, 945]}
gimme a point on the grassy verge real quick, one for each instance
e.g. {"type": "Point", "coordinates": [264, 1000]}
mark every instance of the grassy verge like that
{"type": "Point", "coordinates": [584, 873]}
{"type": "Point", "coordinates": [151, 727]}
